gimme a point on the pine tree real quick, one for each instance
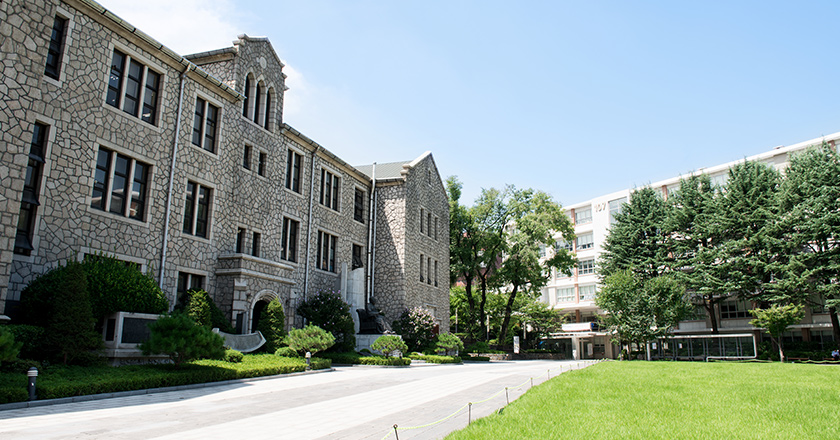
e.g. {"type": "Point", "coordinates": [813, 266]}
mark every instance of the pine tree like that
{"type": "Point", "coordinates": [70, 330]}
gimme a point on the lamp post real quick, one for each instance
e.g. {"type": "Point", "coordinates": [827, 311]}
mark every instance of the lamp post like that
{"type": "Point", "coordinates": [32, 373]}
{"type": "Point", "coordinates": [308, 361]}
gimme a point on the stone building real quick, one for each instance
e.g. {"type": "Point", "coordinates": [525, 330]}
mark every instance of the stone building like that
{"type": "Point", "coordinates": [184, 165]}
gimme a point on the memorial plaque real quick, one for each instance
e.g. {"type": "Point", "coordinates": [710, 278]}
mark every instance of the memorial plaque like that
{"type": "Point", "coordinates": [135, 330]}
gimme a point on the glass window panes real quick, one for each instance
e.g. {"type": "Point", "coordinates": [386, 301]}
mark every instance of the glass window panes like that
{"type": "Point", "coordinates": [587, 292]}
{"type": "Point", "coordinates": [583, 215]}
{"type": "Point", "coordinates": [585, 242]}
{"type": "Point", "coordinates": [565, 294]}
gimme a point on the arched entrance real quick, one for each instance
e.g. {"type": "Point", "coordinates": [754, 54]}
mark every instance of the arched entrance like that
{"type": "Point", "coordinates": [261, 301]}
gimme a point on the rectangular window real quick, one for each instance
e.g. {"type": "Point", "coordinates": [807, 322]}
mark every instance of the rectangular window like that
{"type": "Point", "coordinates": [53, 67]}
{"type": "Point", "coordinates": [562, 244]}
{"type": "Point", "coordinates": [187, 282]}
{"type": "Point", "coordinates": [436, 228]}
{"type": "Point", "coordinates": [583, 216]}
{"type": "Point", "coordinates": [240, 240]}
{"type": "Point", "coordinates": [436, 273]}
{"type": "Point", "coordinates": [290, 240]}
{"type": "Point", "coordinates": [358, 261]}
{"type": "Point", "coordinates": [329, 189]}
{"type": "Point", "coordinates": [565, 294]}
{"type": "Point", "coordinates": [204, 126]}
{"type": "Point", "coordinates": [293, 167]}
{"type": "Point", "coordinates": [197, 210]}
{"type": "Point", "coordinates": [133, 88]}
{"type": "Point", "coordinates": [616, 207]}
{"type": "Point", "coordinates": [422, 266]}
{"type": "Point", "coordinates": [120, 185]}
{"type": "Point", "coordinates": [585, 242]}
{"type": "Point", "coordinates": [422, 220]}
{"type": "Point", "coordinates": [542, 251]}
{"type": "Point", "coordinates": [326, 251]}
{"type": "Point", "coordinates": [586, 267]}
{"type": "Point", "coordinates": [587, 292]}
{"type": "Point", "coordinates": [255, 244]}
{"type": "Point", "coordinates": [429, 270]}
{"type": "Point", "coordinates": [246, 158]}
{"type": "Point", "coordinates": [734, 309]}
{"type": "Point", "coordinates": [261, 164]}
{"type": "Point", "coordinates": [359, 206]}
{"type": "Point", "coordinates": [31, 191]}
{"type": "Point", "coordinates": [429, 224]}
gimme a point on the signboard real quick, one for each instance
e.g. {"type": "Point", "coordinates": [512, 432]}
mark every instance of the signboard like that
{"type": "Point", "coordinates": [579, 327]}
{"type": "Point", "coordinates": [516, 344]}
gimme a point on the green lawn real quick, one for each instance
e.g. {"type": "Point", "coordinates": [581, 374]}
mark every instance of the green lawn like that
{"type": "Point", "coordinates": [674, 400]}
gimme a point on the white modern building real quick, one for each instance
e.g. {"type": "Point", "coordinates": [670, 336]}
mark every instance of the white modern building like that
{"type": "Point", "coordinates": [575, 295]}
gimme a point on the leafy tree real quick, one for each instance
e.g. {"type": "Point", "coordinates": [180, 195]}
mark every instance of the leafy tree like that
{"type": "Point", "coordinates": [204, 311]}
{"type": "Point", "coordinates": [776, 320]}
{"type": "Point", "coordinates": [388, 344]}
{"type": "Point", "coordinates": [534, 218]}
{"type": "Point", "coordinates": [328, 311]}
{"type": "Point", "coordinates": [310, 338]}
{"type": "Point", "coordinates": [9, 349]}
{"type": "Point", "coordinates": [641, 310]}
{"type": "Point", "coordinates": [808, 231]}
{"type": "Point", "coordinates": [179, 337]}
{"type": "Point", "coordinates": [636, 240]}
{"type": "Point", "coordinates": [272, 325]}
{"type": "Point", "coordinates": [417, 328]}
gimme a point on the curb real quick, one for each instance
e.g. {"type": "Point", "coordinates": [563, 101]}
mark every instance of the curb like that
{"type": "Point", "coordinates": [89, 397]}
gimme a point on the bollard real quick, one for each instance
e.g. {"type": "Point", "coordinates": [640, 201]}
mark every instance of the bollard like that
{"type": "Point", "coordinates": [308, 361]}
{"type": "Point", "coordinates": [32, 374]}
{"type": "Point", "coordinates": [396, 434]}
{"type": "Point", "coordinates": [469, 414]}
{"type": "Point", "coordinates": [507, 397]}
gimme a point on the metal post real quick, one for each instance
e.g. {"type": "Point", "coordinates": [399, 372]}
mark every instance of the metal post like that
{"type": "Point", "coordinates": [396, 434]}
{"type": "Point", "coordinates": [532, 382]}
{"type": "Point", "coordinates": [32, 374]}
{"type": "Point", "coordinates": [469, 414]}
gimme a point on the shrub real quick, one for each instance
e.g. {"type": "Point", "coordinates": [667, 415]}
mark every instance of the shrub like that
{"type": "Point", "coordinates": [417, 326]}
{"type": "Point", "coordinates": [476, 359]}
{"type": "Point", "coordinates": [310, 338]}
{"type": "Point", "coordinates": [435, 359]}
{"type": "Point", "coordinates": [232, 356]}
{"type": "Point", "coordinates": [449, 343]}
{"type": "Point", "coordinates": [31, 336]}
{"type": "Point", "coordinates": [9, 349]}
{"type": "Point", "coordinates": [481, 347]}
{"type": "Point", "coordinates": [198, 305]}
{"type": "Point", "coordinates": [273, 325]}
{"type": "Point", "coordinates": [112, 286]}
{"type": "Point", "coordinates": [328, 311]}
{"type": "Point", "coordinates": [352, 358]}
{"type": "Point", "coordinates": [388, 344]}
{"type": "Point", "coordinates": [179, 337]}
{"type": "Point", "coordinates": [286, 352]}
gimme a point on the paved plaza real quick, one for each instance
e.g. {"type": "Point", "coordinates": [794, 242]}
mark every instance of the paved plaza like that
{"type": "Point", "coordinates": [348, 403]}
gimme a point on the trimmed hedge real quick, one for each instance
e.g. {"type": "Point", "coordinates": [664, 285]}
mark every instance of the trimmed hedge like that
{"type": "Point", "coordinates": [357, 359]}
{"type": "Point", "coordinates": [435, 359]}
{"type": "Point", "coordinates": [67, 381]}
{"type": "Point", "coordinates": [475, 359]}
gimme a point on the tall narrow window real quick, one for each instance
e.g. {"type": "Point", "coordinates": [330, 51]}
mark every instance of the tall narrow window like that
{"type": "Point", "coordinates": [429, 270]}
{"type": "Point", "coordinates": [261, 164]}
{"type": "Point", "coordinates": [53, 67]}
{"type": "Point", "coordinates": [31, 191]}
{"type": "Point", "coordinates": [257, 98]}
{"type": "Point", "coordinates": [422, 220]}
{"type": "Point", "coordinates": [205, 125]}
{"type": "Point", "coordinates": [436, 273]}
{"type": "Point", "coordinates": [120, 185]}
{"type": "Point", "coordinates": [247, 99]}
{"type": "Point", "coordinates": [357, 257]}
{"type": "Point", "coordinates": [422, 266]}
{"type": "Point", "coordinates": [359, 206]}
{"type": "Point", "coordinates": [290, 240]}
{"type": "Point", "coordinates": [246, 159]}
{"type": "Point", "coordinates": [329, 189]}
{"type": "Point", "coordinates": [268, 110]}
{"type": "Point", "coordinates": [133, 88]}
{"type": "Point", "coordinates": [197, 210]}
{"type": "Point", "coordinates": [255, 244]}
{"type": "Point", "coordinates": [325, 258]}
{"type": "Point", "coordinates": [429, 224]}
{"type": "Point", "coordinates": [436, 228]}
{"type": "Point", "coordinates": [240, 240]}
{"type": "Point", "coordinates": [293, 167]}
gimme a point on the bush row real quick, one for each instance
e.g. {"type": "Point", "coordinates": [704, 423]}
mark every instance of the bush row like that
{"type": "Point", "coordinates": [435, 359]}
{"type": "Point", "coordinates": [357, 359]}
{"type": "Point", "coordinates": [68, 381]}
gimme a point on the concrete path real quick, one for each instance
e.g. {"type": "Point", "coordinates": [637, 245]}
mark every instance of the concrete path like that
{"type": "Point", "coordinates": [349, 403]}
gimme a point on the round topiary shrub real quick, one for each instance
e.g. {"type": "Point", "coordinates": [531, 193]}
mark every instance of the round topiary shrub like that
{"type": "Point", "coordinates": [286, 352]}
{"type": "Point", "coordinates": [328, 311]}
{"type": "Point", "coordinates": [417, 327]}
{"type": "Point", "coordinates": [232, 356]}
{"type": "Point", "coordinates": [389, 345]}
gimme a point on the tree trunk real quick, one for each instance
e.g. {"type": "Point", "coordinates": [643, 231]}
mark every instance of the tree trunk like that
{"type": "Point", "coordinates": [470, 300]}
{"type": "Point", "coordinates": [508, 309]}
{"type": "Point", "coordinates": [710, 309]}
{"type": "Point", "coordinates": [481, 308]}
{"type": "Point", "coordinates": [835, 325]}
{"type": "Point", "coordinates": [781, 349]}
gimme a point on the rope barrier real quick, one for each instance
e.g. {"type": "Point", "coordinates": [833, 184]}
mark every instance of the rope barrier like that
{"type": "Point", "coordinates": [469, 405]}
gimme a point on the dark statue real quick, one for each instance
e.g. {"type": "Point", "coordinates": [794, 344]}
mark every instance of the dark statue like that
{"type": "Point", "coordinates": [372, 321]}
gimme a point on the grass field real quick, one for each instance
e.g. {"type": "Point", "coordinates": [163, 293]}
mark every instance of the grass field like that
{"type": "Point", "coordinates": [674, 400]}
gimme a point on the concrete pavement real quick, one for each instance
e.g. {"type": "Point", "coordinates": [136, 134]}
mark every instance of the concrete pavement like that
{"type": "Point", "coordinates": [349, 403]}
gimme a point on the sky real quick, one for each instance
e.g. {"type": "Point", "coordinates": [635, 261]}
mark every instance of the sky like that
{"type": "Point", "coordinates": [578, 99]}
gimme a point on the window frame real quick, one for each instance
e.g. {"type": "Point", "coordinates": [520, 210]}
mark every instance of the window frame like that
{"type": "Point", "coordinates": [24, 242]}
{"type": "Point", "coordinates": [56, 48]}
{"type": "Point", "coordinates": [581, 220]}
{"type": "Point", "coordinates": [192, 212]}
{"type": "Point", "coordinates": [359, 205]}
{"type": "Point", "coordinates": [326, 257]}
{"type": "Point", "coordinates": [290, 238]}
{"type": "Point", "coordinates": [294, 170]}
{"type": "Point", "coordinates": [136, 87]}
{"type": "Point", "coordinates": [584, 267]}
{"type": "Point", "coordinates": [330, 189]}
{"type": "Point", "coordinates": [139, 204]}
{"type": "Point", "coordinates": [206, 129]}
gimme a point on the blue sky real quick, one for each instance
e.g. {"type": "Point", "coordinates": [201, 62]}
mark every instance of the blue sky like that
{"type": "Point", "coordinates": [578, 99]}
